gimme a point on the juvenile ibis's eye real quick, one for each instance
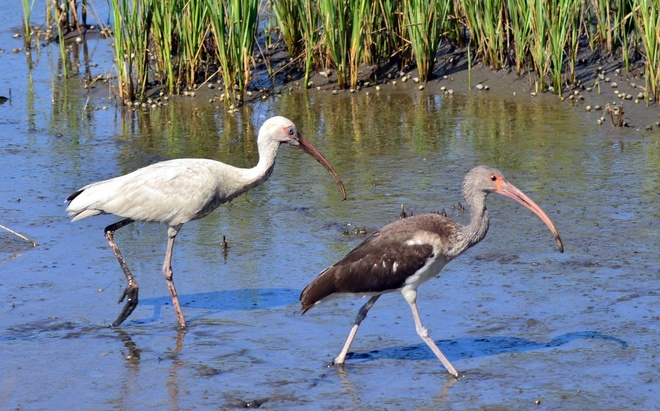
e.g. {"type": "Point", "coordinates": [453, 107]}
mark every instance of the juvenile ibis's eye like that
{"type": "Point", "coordinates": [493, 177]}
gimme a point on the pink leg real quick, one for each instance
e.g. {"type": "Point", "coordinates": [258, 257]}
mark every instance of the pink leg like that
{"type": "Point", "coordinates": [362, 314]}
{"type": "Point", "coordinates": [168, 273]}
{"type": "Point", "coordinates": [132, 289]}
{"type": "Point", "coordinates": [411, 297]}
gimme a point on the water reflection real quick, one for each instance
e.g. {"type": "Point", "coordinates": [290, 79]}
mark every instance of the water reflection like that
{"type": "Point", "coordinates": [248, 341]}
{"type": "Point", "coordinates": [355, 395]}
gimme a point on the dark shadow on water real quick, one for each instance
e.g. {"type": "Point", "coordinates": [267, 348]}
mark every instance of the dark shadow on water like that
{"type": "Point", "coordinates": [211, 303]}
{"type": "Point", "coordinates": [222, 301]}
{"type": "Point", "coordinates": [463, 348]}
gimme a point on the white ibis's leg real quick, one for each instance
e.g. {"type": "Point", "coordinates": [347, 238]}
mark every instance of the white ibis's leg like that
{"type": "Point", "coordinates": [168, 273]}
{"type": "Point", "coordinates": [132, 289]}
{"type": "Point", "coordinates": [411, 297]}
{"type": "Point", "coordinates": [361, 315]}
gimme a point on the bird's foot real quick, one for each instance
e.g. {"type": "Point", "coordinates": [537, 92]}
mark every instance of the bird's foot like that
{"type": "Point", "coordinates": [131, 296]}
{"type": "Point", "coordinates": [338, 362]}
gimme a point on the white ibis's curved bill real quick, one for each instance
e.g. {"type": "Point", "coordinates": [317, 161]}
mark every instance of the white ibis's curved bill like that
{"type": "Point", "coordinates": [509, 190]}
{"type": "Point", "coordinates": [308, 148]}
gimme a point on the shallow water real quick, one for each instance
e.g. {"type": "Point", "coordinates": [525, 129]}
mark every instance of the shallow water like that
{"type": "Point", "coordinates": [528, 326]}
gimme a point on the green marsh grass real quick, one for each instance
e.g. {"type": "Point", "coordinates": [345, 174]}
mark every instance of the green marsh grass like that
{"type": "Point", "coordinates": [539, 40]}
{"type": "Point", "coordinates": [561, 18]}
{"type": "Point", "coordinates": [424, 20]}
{"type": "Point", "coordinates": [485, 20]}
{"type": "Point", "coordinates": [648, 25]}
{"type": "Point", "coordinates": [520, 28]}
{"type": "Point", "coordinates": [27, 30]}
{"type": "Point", "coordinates": [132, 24]}
{"type": "Point", "coordinates": [192, 26]}
{"type": "Point", "coordinates": [290, 17]}
{"type": "Point", "coordinates": [336, 20]}
{"type": "Point", "coordinates": [163, 38]}
{"type": "Point", "coordinates": [234, 24]}
{"type": "Point", "coordinates": [310, 34]}
{"type": "Point", "coordinates": [359, 24]}
{"type": "Point", "coordinates": [183, 43]}
{"type": "Point", "coordinates": [299, 26]}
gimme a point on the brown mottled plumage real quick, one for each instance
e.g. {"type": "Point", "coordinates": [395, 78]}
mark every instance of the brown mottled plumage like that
{"type": "Point", "coordinates": [408, 252]}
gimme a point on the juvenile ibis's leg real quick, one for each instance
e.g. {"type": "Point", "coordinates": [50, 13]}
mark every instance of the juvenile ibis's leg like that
{"type": "Point", "coordinates": [168, 273]}
{"type": "Point", "coordinates": [132, 289]}
{"type": "Point", "coordinates": [361, 315]}
{"type": "Point", "coordinates": [411, 297]}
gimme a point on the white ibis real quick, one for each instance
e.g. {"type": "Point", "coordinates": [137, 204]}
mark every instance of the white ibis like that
{"type": "Point", "coordinates": [408, 252]}
{"type": "Point", "coordinates": [181, 190]}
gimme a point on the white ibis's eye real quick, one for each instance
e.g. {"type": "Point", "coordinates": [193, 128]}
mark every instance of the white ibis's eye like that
{"type": "Point", "coordinates": [291, 131]}
{"type": "Point", "coordinates": [493, 177]}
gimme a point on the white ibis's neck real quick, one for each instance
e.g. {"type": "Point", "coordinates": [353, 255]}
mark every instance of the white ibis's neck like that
{"type": "Point", "coordinates": [476, 230]}
{"type": "Point", "coordinates": [264, 168]}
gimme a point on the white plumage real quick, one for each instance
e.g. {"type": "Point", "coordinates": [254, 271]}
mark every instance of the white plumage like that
{"type": "Point", "coordinates": [181, 190]}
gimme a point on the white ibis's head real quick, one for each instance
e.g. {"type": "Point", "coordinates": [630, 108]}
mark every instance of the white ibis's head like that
{"type": "Point", "coordinates": [279, 129]}
{"type": "Point", "coordinates": [282, 130]}
{"type": "Point", "coordinates": [482, 180]}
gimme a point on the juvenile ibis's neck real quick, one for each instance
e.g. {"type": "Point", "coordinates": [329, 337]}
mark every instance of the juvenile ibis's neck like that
{"type": "Point", "coordinates": [476, 230]}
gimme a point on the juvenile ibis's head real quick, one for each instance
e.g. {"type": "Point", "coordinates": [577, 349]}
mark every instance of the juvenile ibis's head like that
{"type": "Point", "coordinates": [482, 180]}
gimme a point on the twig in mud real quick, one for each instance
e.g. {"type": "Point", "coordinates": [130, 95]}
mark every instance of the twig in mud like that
{"type": "Point", "coordinates": [19, 235]}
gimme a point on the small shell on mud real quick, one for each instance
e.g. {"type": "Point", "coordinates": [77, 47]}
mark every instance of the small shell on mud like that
{"type": "Point", "coordinates": [377, 88]}
{"type": "Point", "coordinates": [588, 108]}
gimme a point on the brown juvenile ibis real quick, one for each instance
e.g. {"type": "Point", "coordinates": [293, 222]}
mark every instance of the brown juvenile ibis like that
{"type": "Point", "coordinates": [181, 190]}
{"type": "Point", "coordinates": [408, 252]}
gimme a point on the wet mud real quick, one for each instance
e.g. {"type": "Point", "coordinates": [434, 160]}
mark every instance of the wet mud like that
{"type": "Point", "coordinates": [526, 326]}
